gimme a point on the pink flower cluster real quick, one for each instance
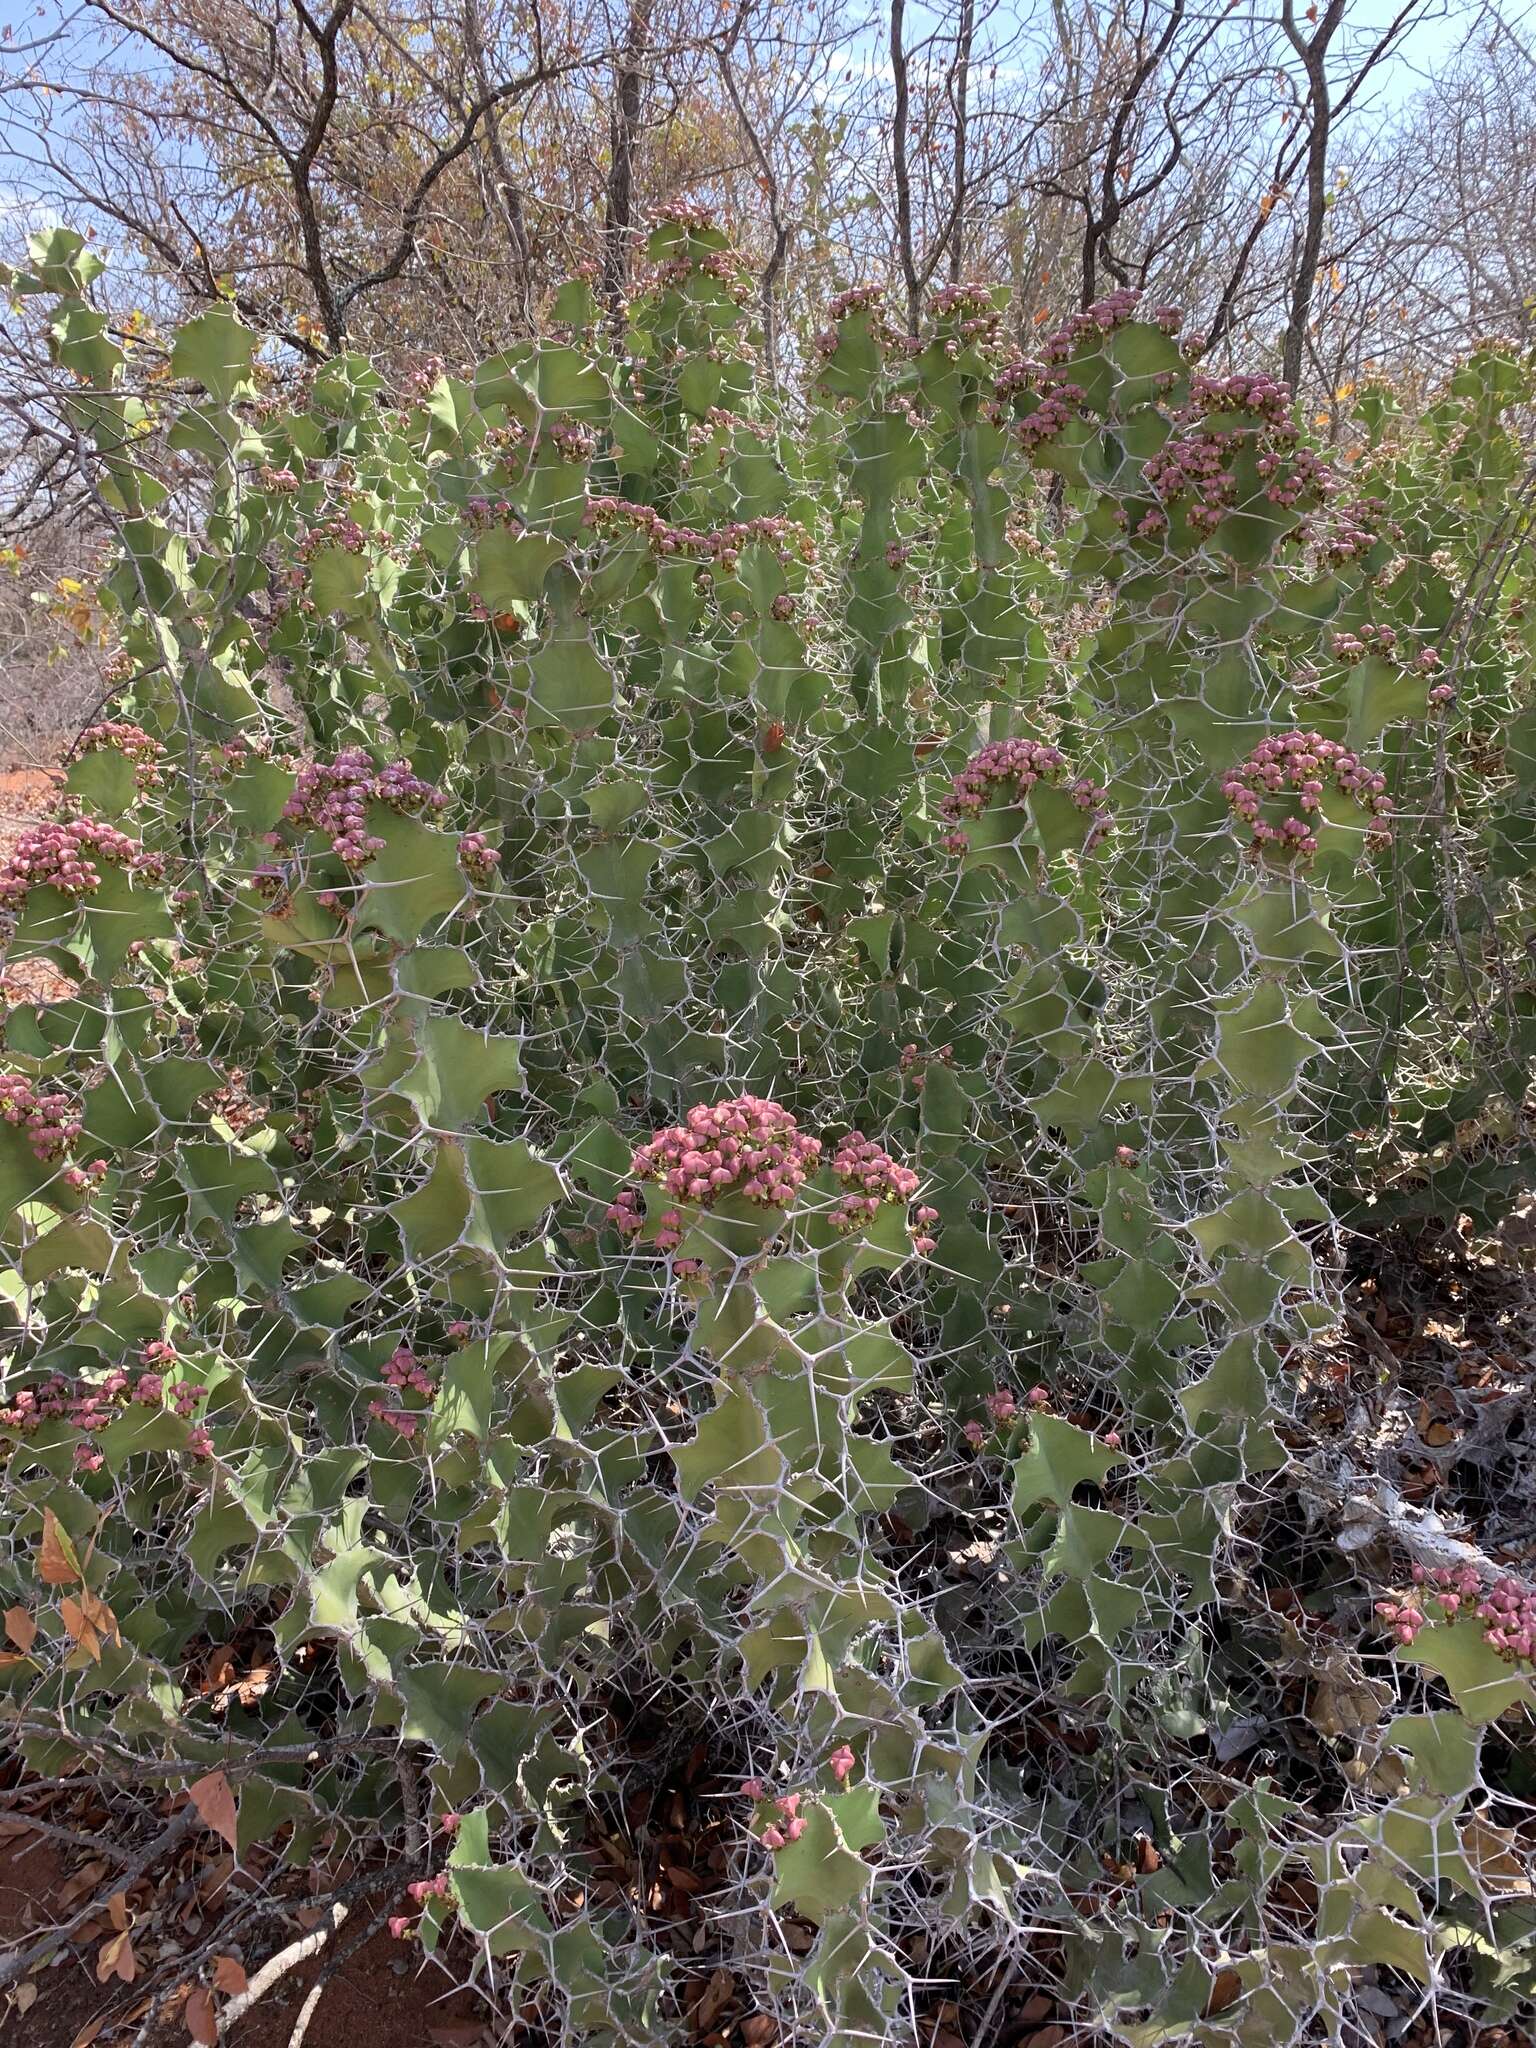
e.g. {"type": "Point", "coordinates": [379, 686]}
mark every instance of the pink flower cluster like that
{"type": "Point", "coordinates": [687, 213]}
{"type": "Point", "coordinates": [859, 298]}
{"type": "Point", "coordinates": [1003, 1407]}
{"type": "Point", "coordinates": [1507, 1610]}
{"type": "Point", "coordinates": [722, 545]}
{"type": "Point", "coordinates": [720, 264]}
{"type": "Point", "coordinates": [401, 1924]}
{"type": "Point", "coordinates": [912, 1063]}
{"type": "Point", "coordinates": [1353, 529]}
{"type": "Point", "coordinates": [1264, 396]}
{"type": "Point", "coordinates": [1195, 466]}
{"type": "Point", "coordinates": [775, 1836]}
{"type": "Point", "coordinates": [1057, 407]}
{"type": "Point", "coordinates": [569, 440]}
{"type": "Point", "coordinates": [1011, 766]}
{"type": "Point", "coordinates": [1301, 474]}
{"type": "Point", "coordinates": [281, 482]}
{"type": "Point", "coordinates": [88, 1407]}
{"type": "Point", "coordinates": [65, 856]}
{"type": "Point", "coordinates": [1098, 322]}
{"type": "Point", "coordinates": [333, 797]}
{"type": "Point", "coordinates": [790, 1823]}
{"type": "Point", "coordinates": [747, 1146]}
{"type": "Point", "coordinates": [478, 858]}
{"type": "Point", "coordinates": [341, 530]}
{"type": "Point", "coordinates": [1299, 765]}
{"type": "Point", "coordinates": [132, 741]}
{"type": "Point", "coordinates": [402, 1375]}
{"type": "Point", "coordinates": [49, 1118]}
{"type": "Point", "coordinates": [973, 300]}
{"type": "Point", "coordinates": [872, 1176]}
{"type": "Point", "coordinates": [979, 319]}
{"type": "Point", "coordinates": [1382, 640]}
{"type": "Point", "coordinates": [483, 512]}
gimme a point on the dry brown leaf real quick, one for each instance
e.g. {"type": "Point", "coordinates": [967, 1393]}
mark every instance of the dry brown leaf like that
{"type": "Point", "coordinates": [713, 1999]}
{"type": "Point", "coordinates": [229, 1975]}
{"type": "Point", "coordinates": [760, 2031]}
{"type": "Point", "coordinates": [20, 1628]}
{"type": "Point", "coordinates": [84, 1881]}
{"type": "Point", "coordinates": [89, 2031]}
{"type": "Point", "coordinates": [25, 1996]}
{"type": "Point", "coordinates": [116, 1958]}
{"type": "Point", "coordinates": [1225, 1990]}
{"type": "Point", "coordinates": [56, 1562]}
{"type": "Point", "coordinates": [117, 1910]}
{"type": "Point", "coordinates": [1499, 1857]}
{"type": "Point", "coordinates": [215, 1804]}
{"type": "Point", "coordinates": [201, 2022]}
{"type": "Point", "coordinates": [221, 1669]}
{"type": "Point", "coordinates": [90, 1621]}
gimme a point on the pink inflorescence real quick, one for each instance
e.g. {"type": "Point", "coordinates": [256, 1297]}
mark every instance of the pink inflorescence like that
{"type": "Point", "coordinates": [1298, 766]}
{"type": "Point", "coordinates": [333, 797]}
{"type": "Point", "coordinates": [1265, 397]}
{"type": "Point", "coordinates": [478, 858]}
{"type": "Point", "coordinates": [420, 1893]}
{"type": "Point", "coordinates": [402, 1374]}
{"type": "Point", "coordinates": [89, 1406]}
{"type": "Point", "coordinates": [341, 530]}
{"type": "Point", "coordinates": [746, 1146]}
{"type": "Point", "coordinates": [1013, 767]}
{"type": "Point", "coordinates": [871, 1176]}
{"type": "Point", "coordinates": [132, 742]}
{"type": "Point", "coordinates": [1059, 400]}
{"type": "Point", "coordinates": [789, 1826]}
{"type": "Point", "coordinates": [49, 1117]}
{"type": "Point", "coordinates": [67, 856]}
{"type": "Point", "coordinates": [1086, 329]}
{"type": "Point", "coordinates": [1507, 1610]}
{"type": "Point", "coordinates": [720, 545]}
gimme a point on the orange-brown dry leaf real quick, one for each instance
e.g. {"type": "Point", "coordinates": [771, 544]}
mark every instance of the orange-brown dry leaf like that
{"type": "Point", "coordinates": [215, 1804]}
{"type": "Point", "coordinates": [1499, 1857]}
{"type": "Point", "coordinates": [20, 1628]}
{"type": "Point", "coordinates": [1225, 1991]}
{"type": "Point", "coordinates": [199, 2016]}
{"type": "Point", "coordinates": [83, 1882]}
{"type": "Point", "coordinates": [222, 1668]}
{"type": "Point", "coordinates": [56, 1562]}
{"type": "Point", "coordinates": [229, 1975]}
{"type": "Point", "coordinates": [90, 1622]}
{"type": "Point", "coordinates": [713, 2000]}
{"type": "Point", "coordinates": [115, 1958]}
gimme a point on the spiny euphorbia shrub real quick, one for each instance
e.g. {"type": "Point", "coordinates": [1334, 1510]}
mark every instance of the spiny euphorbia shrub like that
{"type": "Point", "coordinates": [537, 804]}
